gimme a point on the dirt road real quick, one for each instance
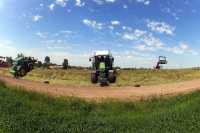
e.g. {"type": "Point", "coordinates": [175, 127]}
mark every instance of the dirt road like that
{"type": "Point", "coordinates": [121, 93]}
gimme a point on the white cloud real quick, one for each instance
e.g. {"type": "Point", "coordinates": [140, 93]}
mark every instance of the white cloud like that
{"type": "Point", "coordinates": [173, 13]}
{"type": "Point", "coordinates": [115, 22]}
{"type": "Point", "coordinates": [133, 35]}
{"type": "Point", "coordinates": [112, 1]}
{"type": "Point", "coordinates": [79, 3]}
{"type": "Point", "coordinates": [41, 4]}
{"type": "Point", "coordinates": [161, 27]}
{"type": "Point", "coordinates": [66, 33]}
{"type": "Point", "coordinates": [147, 41]}
{"type": "Point", "coordinates": [143, 47]}
{"type": "Point", "coordinates": [182, 48]}
{"type": "Point", "coordinates": [62, 3]}
{"type": "Point", "coordinates": [145, 2]}
{"type": "Point", "coordinates": [92, 23]}
{"type": "Point", "coordinates": [125, 6]}
{"type": "Point", "coordinates": [126, 28]}
{"type": "Point", "coordinates": [36, 18]}
{"type": "Point", "coordinates": [41, 35]}
{"type": "Point", "coordinates": [111, 27]}
{"type": "Point", "coordinates": [51, 6]}
{"type": "Point", "coordinates": [101, 2]}
{"type": "Point", "coordinates": [152, 41]}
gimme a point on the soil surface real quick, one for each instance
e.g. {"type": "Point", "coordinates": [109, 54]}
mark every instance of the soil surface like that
{"type": "Point", "coordinates": [97, 93]}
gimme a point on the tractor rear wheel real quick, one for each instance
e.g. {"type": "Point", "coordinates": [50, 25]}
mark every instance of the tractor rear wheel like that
{"type": "Point", "coordinates": [30, 67]}
{"type": "Point", "coordinates": [94, 78]}
{"type": "Point", "coordinates": [112, 78]}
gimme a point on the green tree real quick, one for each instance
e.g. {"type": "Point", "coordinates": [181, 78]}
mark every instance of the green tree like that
{"type": "Point", "coordinates": [47, 61]}
{"type": "Point", "coordinates": [39, 64]}
{"type": "Point", "coordinates": [65, 64]}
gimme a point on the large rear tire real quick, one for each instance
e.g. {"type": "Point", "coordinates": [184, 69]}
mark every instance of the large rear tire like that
{"type": "Point", "coordinates": [30, 67]}
{"type": "Point", "coordinates": [94, 78]}
{"type": "Point", "coordinates": [112, 78]}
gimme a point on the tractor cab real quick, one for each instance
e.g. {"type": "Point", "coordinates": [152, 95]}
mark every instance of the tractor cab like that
{"type": "Point", "coordinates": [162, 60]}
{"type": "Point", "coordinates": [18, 61]}
{"type": "Point", "coordinates": [102, 66]}
{"type": "Point", "coordinates": [102, 60]}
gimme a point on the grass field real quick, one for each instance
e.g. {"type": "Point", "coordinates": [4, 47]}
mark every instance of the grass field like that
{"type": "Point", "coordinates": [125, 77]}
{"type": "Point", "coordinates": [28, 112]}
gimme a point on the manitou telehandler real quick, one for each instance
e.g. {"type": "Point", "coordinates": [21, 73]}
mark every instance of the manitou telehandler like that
{"type": "Point", "coordinates": [22, 65]}
{"type": "Point", "coordinates": [162, 60]}
{"type": "Point", "coordinates": [102, 68]}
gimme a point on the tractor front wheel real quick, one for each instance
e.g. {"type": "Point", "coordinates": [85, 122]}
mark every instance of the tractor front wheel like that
{"type": "Point", "coordinates": [16, 75]}
{"type": "Point", "coordinates": [22, 72]}
{"type": "Point", "coordinates": [94, 78]}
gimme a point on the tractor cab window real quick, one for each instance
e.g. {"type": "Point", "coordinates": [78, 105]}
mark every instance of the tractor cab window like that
{"type": "Point", "coordinates": [162, 60]}
{"type": "Point", "coordinates": [103, 59]}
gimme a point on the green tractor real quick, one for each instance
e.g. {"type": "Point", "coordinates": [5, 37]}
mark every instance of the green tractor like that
{"type": "Point", "coordinates": [22, 65]}
{"type": "Point", "coordinates": [102, 68]}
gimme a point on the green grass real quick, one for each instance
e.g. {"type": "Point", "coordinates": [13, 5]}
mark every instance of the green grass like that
{"type": "Point", "coordinates": [28, 112]}
{"type": "Point", "coordinates": [75, 77]}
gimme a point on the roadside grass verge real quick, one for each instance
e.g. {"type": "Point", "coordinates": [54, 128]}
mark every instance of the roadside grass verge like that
{"type": "Point", "coordinates": [77, 77]}
{"type": "Point", "coordinates": [29, 112]}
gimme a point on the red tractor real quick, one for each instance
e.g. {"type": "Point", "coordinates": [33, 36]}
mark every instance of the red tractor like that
{"type": "Point", "coordinates": [3, 62]}
{"type": "Point", "coordinates": [162, 60]}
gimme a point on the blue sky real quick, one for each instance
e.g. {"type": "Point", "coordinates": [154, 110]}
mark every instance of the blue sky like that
{"type": "Point", "coordinates": [136, 31]}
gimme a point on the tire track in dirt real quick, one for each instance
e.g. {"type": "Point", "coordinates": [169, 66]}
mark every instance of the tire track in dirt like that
{"type": "Point", "coordinates": [97, 93]}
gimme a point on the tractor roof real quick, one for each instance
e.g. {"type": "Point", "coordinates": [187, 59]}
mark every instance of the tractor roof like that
{"type": "Point", "coordinates": [2, 57]}
{"type": "Point", "coordinates": [105, 52]}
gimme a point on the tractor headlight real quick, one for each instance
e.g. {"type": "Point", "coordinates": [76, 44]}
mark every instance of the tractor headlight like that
{"type": "Point", "coordinates": [111, 71]}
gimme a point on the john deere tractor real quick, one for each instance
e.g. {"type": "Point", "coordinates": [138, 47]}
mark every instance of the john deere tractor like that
{"type": "Point", "coordinates": [102, 68]}
{"type": "Point", "coordinates": [22, 65]}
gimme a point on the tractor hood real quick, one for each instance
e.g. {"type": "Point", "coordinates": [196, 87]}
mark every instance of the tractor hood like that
{"type": "Point", "coordinates": [12, 71]}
